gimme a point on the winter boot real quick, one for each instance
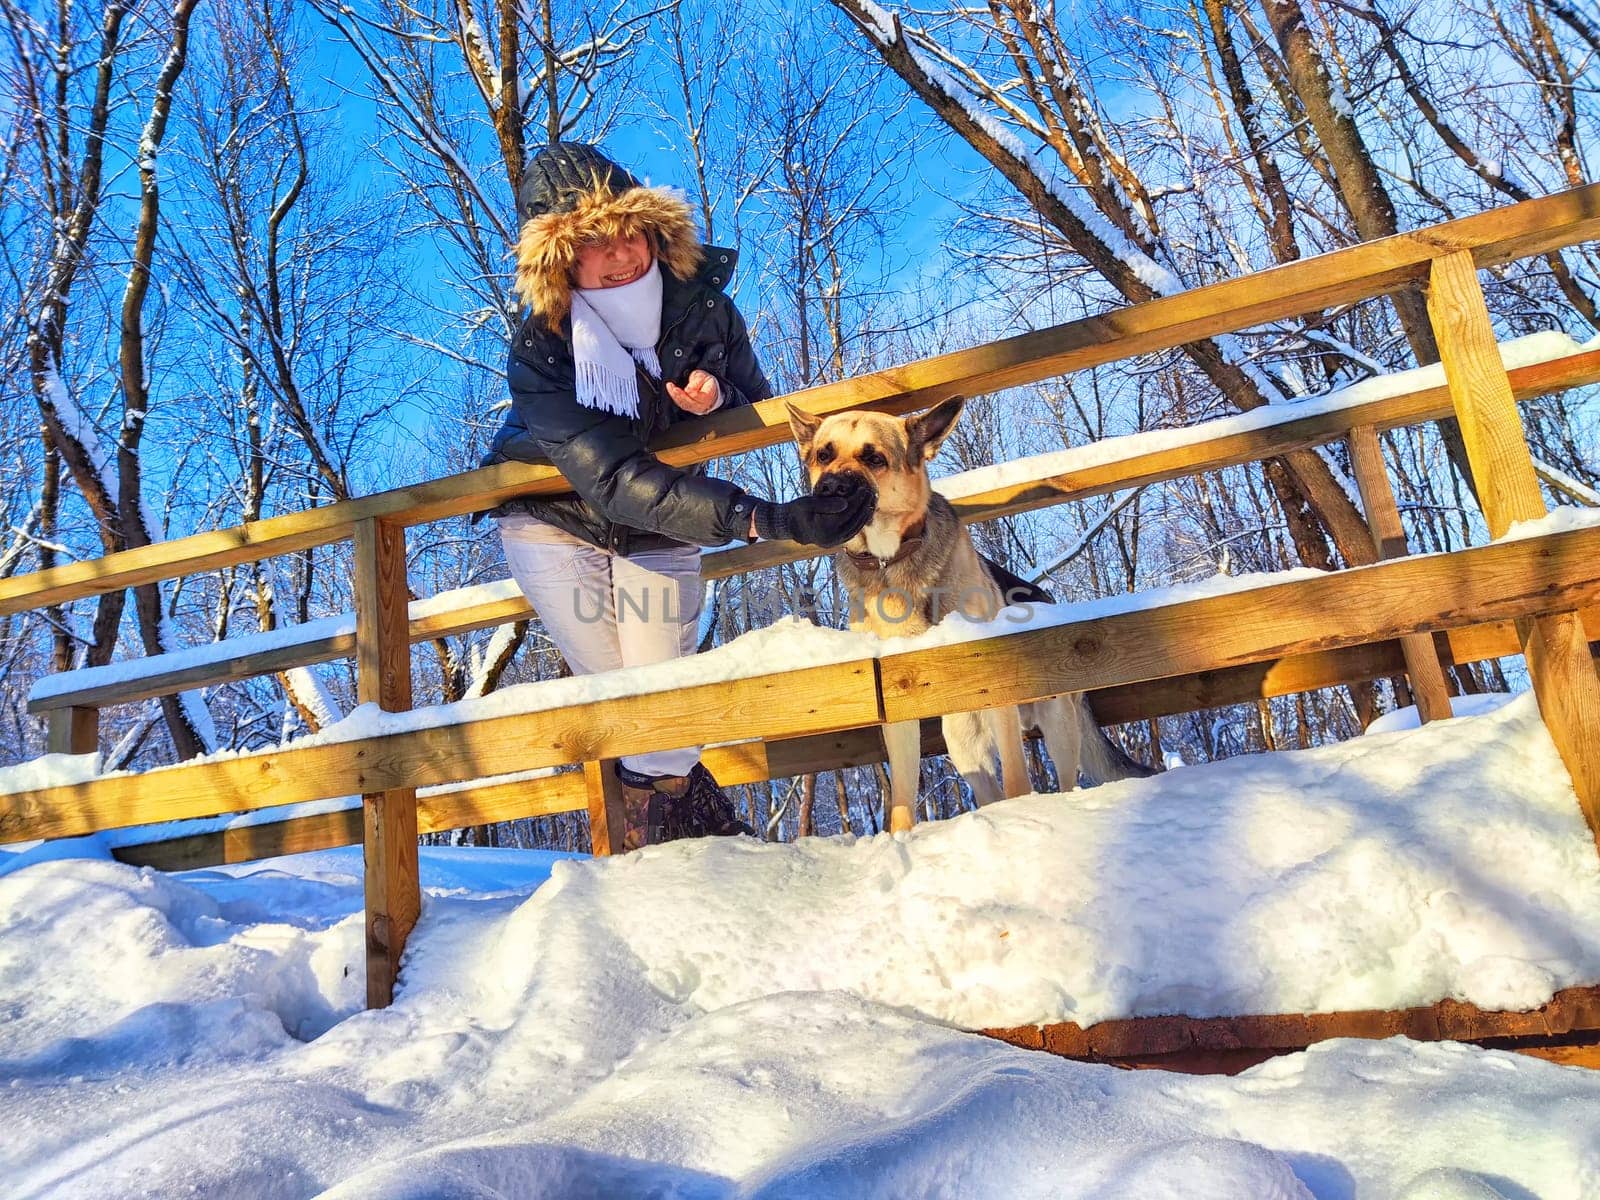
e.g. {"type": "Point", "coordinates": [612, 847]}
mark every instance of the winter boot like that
{"type": "Point", "coordinates": [708, 810]}
{"type": "Point", "coordinates": [649, 804]}
{"type": "Point", "coordinates": [664, 808]}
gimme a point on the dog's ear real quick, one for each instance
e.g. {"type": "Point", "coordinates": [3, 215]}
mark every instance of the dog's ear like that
{"type": "Point", "coordinates": [803, 425]}
{"type": "Point", "coordinates": [926, 432]}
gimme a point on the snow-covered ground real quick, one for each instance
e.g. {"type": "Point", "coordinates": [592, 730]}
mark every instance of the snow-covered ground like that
{"type": "Point", "coordinates": [721, 1019]}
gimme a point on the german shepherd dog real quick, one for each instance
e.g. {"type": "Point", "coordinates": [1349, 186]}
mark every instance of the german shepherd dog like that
{"type": "Point", "coordinates": [911, 566]}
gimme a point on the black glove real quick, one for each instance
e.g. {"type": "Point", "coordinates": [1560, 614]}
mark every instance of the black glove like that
{"type": "Point", "coordinates": [830, 516]}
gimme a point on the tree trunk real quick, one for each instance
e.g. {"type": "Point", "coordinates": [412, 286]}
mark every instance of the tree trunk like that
{"type": "Point", "coordinates": [807, 826]}
{"type": "Point", "coordinates": [1359, 182]}
{"type": "Point", "coordinates": [189, 727]}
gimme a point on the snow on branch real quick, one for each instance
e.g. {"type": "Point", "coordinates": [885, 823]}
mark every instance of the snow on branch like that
{"type": "Point", "coordinates": [76, 424]}
{"type": "Point", "coordinates": [353, 27]}
{"type": "Point", "coordinates": [1136, 273]}
{"type": "Point", "coordinates": [1084, 539]}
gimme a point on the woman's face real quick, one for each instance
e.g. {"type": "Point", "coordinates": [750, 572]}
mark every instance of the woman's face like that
{"type": "Point", "coordinates": [611, 263]}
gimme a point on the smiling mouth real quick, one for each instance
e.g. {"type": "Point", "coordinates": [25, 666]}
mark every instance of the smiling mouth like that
{"type": "Point", "coordinates": [624, 277]}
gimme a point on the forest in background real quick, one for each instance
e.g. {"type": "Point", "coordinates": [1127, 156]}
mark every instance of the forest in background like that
{"type": "Point", "coordinates": [256, 257]}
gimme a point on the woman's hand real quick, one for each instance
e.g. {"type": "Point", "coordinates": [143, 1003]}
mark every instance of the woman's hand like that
{"type": "Point", "coordinates": [700, 395]}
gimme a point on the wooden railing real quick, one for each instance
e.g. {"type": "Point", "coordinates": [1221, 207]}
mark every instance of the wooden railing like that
{"type": "Point", "coordinates": [1135, 471]}
{"type": "Point", "coordinates": [784, 758]}
{"type": "Point", "coordinates": [1364, 622]}
{"type": "Point", "coordinates": [1343, 276]}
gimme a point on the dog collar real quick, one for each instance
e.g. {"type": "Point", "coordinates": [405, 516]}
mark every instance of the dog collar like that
{"type": "Point", "coordinates": [910, 543]}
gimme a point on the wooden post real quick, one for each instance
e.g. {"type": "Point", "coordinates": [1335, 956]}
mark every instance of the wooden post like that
{"type": "Point", "coordinates": [1559, 662]}
{"type": "Point", "coordinates": [606, 820]}
{"type": "Point", "coordinates": [1426, 677]}
{"type": "Point", "coordinates": [73, 731]}
{"type": "Point", "coordinates": [383, 676]}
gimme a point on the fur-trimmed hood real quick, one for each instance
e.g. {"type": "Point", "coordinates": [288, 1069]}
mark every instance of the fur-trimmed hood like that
{"type": "Point", "coordinates": [571, 193]}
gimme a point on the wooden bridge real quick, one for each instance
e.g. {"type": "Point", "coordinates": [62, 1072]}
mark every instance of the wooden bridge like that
{"type": "Point", "coordinates": [1530, 596]}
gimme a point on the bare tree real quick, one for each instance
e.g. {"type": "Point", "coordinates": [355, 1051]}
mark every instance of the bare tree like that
{"type": "Point", "coordinates": [701, 65]}
{"type": "Point", "coordinates": [543, 67]}
{"type": "Point", "coordinates": [284, 270]}
{"type": "Point", "coordinates": [1101, 207]}
{"type": "Point", "coordinates": [70, 133]}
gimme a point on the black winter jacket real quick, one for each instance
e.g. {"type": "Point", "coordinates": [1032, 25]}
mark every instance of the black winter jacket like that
{"type": "Point", "coordinates": [625, 498]}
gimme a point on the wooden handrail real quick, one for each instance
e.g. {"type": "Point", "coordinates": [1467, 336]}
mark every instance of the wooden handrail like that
{"type": "Point", "coordinates": [1498, 582]}
{"type": "Point", "coordinates": [842, 696]}
{"type": "Point", "coordinates": [1504, 581]}
{"type": "Point", "coordinates": [1406, 408]}
{"type": "Point", "coordinates": [754, 762]}
{"type": "Point", "coordinates": [1338, 277]}
{"type": "Point", "coordinates": [481, 804]}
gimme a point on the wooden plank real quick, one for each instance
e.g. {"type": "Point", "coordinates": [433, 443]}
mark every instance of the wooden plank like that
{"type": "Point", "coordinates": [383, 677]}
{"type": "Point", "coordinates": [743, 762]}
{"type": "Point", "coordinates": [607, 821]}
{"type": "Point", "coordinates": [567, 791]}
{"type": "Point", "coordinates": [1562, 670]}
{"type": "Point", "coordinates": [1177, 462]}
{"type": "Point", "coordinates": [215, 549]}
{"type": "Point", "coordinates": [751, 762]}
{"type": "Point", "coordinates": [812, 699]}
{"type": "Point", "coordinates": [1371, 604]}
{"type": "Point", "coordinates": [1577, 1049]}
{"type": "Point", "coordinates": [499, 611]}
{"type": "Point", "coordinates": [438, 811]}
{"type": "Point", "coordinates": [1428, 688]}
{"type": "Point", "coordinates": [1301, 673]}
{"type": "Point", "coordinates": [483, 804]}
{"type": "Point", "coordinates": [1557, 652]}
{"type": "Point", "coordinates": [392, 885]}
{"type": "Point", "coordinates": [1585, 1053]}
{"type": "Point", "coordinates": [1244, 684]}
{"type": "Point", "coordinates": [1366, 604]}
{"type": "Point", "coordinates": [1339, 277]}
{"type": "Point", "coordinates": [165, 682]}
{"type": "Point", "coordinates": [247, 843]}
{"type": "Point", "coordinates": [74, 729]}
{"type": "Point", "coordinates": [1580, 1051]}
{"type": "Point", "coordinates": [383, 647]}
{"type": "Point", "coordinates": [1408, 408]}
{"type": "Point", "coordinates": [1497, 448]}
{"type": "Point", "coordinates": [155, 680]}
{"type": "Point", "coordinates": [272, 840]}
{"type": "Point", "coordinates": [1570, 1010]}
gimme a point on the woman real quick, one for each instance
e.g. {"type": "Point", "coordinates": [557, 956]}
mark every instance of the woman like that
{"type": "Point", "coordinates": [627, 333]}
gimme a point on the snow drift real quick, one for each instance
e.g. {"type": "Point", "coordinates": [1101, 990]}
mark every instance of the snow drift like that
{"type": "Point", "coordinates": [721, 1019]}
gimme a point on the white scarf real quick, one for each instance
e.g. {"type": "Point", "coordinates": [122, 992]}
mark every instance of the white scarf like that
{"type": "Point", "coordinates": [613, 328]}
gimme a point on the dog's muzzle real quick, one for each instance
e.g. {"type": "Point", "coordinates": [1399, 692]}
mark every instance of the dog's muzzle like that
{"type": "Point", "coordinates": [844, 483]}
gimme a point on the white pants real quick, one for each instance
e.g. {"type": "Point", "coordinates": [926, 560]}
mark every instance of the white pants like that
{"type": "Point", "coordinates": [605, 612]}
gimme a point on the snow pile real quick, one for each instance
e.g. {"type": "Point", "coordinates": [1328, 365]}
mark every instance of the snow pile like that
{"type": "Point", "coordinates": [724, 1018]}
{"type": "Point", "coordinates": [152, 970]}
{"type": "Point", "coordinates": [1460, 706]}
{"type": "Point", "coordinates": [1563, 518]}
{"type": "Point", "coordinates": [1285, 883]}
{"type": "Point", "coordinates": [49, 770]}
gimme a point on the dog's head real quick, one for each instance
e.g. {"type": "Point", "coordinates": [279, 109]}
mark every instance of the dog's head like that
{"type": "Point", "coordinates": [891, 453]}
